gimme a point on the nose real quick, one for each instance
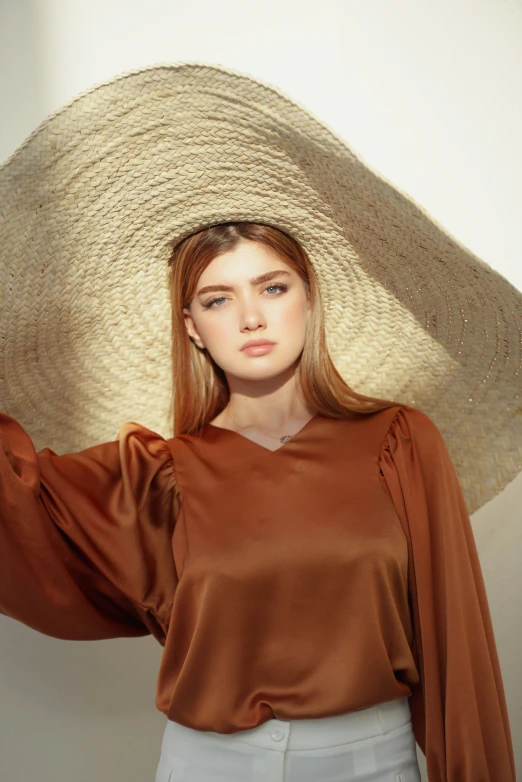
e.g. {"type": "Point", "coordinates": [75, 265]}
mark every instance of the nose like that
{"type": "Point", "coordinates": [251, 315]}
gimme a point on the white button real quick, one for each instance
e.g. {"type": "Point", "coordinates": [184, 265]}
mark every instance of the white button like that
{"type": "Point", "coordinates": [278, 734]}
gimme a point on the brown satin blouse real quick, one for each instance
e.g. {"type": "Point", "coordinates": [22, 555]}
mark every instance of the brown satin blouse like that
{"type": "Point", "coordinates": [334, 573]}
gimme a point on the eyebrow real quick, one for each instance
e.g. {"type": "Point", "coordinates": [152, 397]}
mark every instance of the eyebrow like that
{"type": "Point", "coordinates": [266, 277]}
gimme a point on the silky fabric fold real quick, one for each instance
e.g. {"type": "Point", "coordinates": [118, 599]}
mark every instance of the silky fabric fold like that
{"type": "Point", "coordinates": [333, 574]}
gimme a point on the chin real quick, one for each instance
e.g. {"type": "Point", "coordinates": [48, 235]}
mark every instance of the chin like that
{"type": "Point", "coordinates": [261, 368]}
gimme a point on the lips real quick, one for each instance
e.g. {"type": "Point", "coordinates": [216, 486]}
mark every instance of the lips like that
{"type": "Point", "coordinates": [257, 342]}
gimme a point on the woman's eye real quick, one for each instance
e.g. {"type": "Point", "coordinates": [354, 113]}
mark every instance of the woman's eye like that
{"type": "Point", "coordinates": [209, 304]}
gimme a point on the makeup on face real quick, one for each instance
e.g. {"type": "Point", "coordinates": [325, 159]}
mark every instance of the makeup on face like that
{"type": "Point", "coordinates": [254, 281]}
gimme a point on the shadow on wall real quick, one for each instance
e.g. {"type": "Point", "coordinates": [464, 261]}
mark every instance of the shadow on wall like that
{"type": "Point", "coordinates": [22, 87]}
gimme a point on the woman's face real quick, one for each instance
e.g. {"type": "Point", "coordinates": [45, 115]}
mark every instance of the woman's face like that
{"type": "Point", "coordinates": [239, 310]}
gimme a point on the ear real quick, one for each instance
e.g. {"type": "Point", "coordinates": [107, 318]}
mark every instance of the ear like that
{"type": "Point", "coordinates": [191, 329]}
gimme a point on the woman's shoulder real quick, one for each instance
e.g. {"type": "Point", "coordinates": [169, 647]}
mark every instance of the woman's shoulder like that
{"type": "Point", "coordinates": [409, 418]}
{"type": "Point", "coordinates": [413, 431]}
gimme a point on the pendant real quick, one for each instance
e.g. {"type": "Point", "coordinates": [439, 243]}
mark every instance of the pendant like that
{"type": "Point", "coordinates": [286, 438]}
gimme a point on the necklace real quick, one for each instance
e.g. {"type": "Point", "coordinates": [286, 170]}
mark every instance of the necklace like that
{"type": "Point", "coordinates": [285, 438]}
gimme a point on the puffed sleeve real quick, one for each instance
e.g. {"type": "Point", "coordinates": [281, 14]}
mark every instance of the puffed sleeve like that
{"type": "Point", "coordinates": [459, 711]}
{"type": "Point", "coordinates": [86, 537]}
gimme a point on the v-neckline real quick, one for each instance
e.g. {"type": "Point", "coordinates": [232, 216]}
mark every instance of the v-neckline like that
{"type": "Point", "coordinates": [283, 446]}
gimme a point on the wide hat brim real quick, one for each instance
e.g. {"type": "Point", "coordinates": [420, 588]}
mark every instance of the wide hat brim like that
{"type": "Point", "coordinates": [93, 200]}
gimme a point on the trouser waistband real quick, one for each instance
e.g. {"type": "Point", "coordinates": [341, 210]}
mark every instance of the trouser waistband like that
{"type": "Point", "coordinates": [316, 733]}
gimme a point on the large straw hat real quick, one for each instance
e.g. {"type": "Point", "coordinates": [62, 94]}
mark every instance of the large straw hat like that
{"type": "Point", "coordinates": [90, 206]}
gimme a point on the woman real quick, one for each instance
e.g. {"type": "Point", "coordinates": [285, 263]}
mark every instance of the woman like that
{"type": "Point", "coordinates": [282, 595]}
{"type": "Point", "coordinates": [302, 552]}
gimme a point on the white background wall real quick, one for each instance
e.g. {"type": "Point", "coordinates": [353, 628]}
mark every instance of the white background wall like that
{"type": "Point", "coordinates": [429, 94]}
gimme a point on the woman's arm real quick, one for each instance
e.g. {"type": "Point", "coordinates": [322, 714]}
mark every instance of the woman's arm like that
{"type": "Point", "coordinates": [459, 711]}
{"type": "Point", "coordinates": [85, 538]}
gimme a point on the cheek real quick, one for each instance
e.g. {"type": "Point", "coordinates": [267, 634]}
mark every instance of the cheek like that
{"type": "Point", "coordinates": [294, 316]}
{"type": "Point", "coordinates": [216, 333]}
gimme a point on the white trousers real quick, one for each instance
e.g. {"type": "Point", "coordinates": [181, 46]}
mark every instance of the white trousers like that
{"type": "Point", "coordinates": [370, 745]}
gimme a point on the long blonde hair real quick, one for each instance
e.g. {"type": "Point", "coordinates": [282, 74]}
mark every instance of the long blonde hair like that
{"type": "Point", "coordinates": [200, 389]}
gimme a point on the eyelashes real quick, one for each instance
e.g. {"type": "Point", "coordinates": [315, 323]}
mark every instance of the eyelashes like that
{"type": "Point", "coordinates": [210, 304]}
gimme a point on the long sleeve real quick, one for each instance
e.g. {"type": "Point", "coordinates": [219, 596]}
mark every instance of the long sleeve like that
{"type": "Point", "coordinates": [86, 538]}
{"type": "Point", "coordinates": [459, 711]}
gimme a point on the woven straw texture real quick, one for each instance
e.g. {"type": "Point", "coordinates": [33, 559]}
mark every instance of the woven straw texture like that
{"type": "Point", "coordinates": [93, 199]}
